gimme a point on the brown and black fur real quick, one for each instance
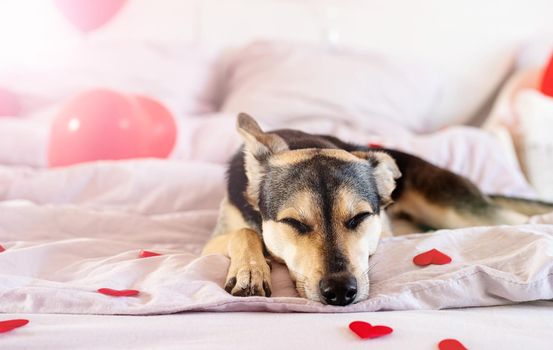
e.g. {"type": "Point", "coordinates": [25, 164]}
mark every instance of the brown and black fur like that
{"type": "Point", "coordinates": [273, 168]}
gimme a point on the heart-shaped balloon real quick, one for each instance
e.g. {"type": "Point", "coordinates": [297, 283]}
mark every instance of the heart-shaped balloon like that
{"type": "Point", "coordinates": [88, 15]}
{"type": "Point", "coordinates": [433, 256]}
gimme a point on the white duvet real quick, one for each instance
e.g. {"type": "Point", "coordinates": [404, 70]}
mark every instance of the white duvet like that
{"type": "Point", "coordinates": [70, 231]}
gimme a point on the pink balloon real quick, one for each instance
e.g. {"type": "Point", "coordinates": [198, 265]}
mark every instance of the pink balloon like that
{"type": "Point", "coordinates": [88, 15]}
{"type": "Point", "coordinates": [98, 125]}
{"type": "Point", "coordinates": [9, 104]}
{"type": "Point", "coordinates": [162, 131]}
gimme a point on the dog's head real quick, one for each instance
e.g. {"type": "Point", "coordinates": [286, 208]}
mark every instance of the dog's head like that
{"type": "Point", "coordinates": [320, 210]}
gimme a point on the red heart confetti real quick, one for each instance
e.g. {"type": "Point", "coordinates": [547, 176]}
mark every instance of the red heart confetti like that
{"type": "Point", "coordinates": [367, 331]}
{"type": "Point", "coordinates": [375, 145]}
{"type": "Point", "coordinates": [2, 249]}
{"type": "Point", "coordinates": [451, 344]}
{"type": "Point", "coordinates": [8, 325]}
{"type": "Point", "coordinates": [118, 293]}
{"type": "Point", "coordinates": [147, 254]}
{"type": "Point", "coordinates": [433, 256]}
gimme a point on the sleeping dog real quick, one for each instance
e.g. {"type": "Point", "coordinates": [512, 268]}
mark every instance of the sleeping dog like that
{"type": "Point", "coordinates": [320, 205]}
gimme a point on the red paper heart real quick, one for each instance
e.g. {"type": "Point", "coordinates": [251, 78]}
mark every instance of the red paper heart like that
{"type": "Point", "coordinates": [367, 331]}
{"type": "Point", "coordinates": [451, 344]}
{"type": "Point", "coordinates": [375, 145]}
{"type": "Point", "coordinates": [433, 256]}
{"type": "Point", "coordinates": [118, 293]}
{"type": "Point", "coordinates": [6, 326]}
{"type": "Point", "coordinates": [546, 86]}
{"type": "Point", "coordinates": [2, 249]}
{"type": "Point", "coordinates": [147, 254]}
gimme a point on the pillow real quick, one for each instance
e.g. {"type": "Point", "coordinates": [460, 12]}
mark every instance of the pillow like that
{"type": "Point", "coordinates": [535, 112]}
{"type": "Point", "coordinates": [280, 82]}
{"type": "Point", "coordinates": [521, 119]}
{"type": "Point", "coordinates": [536, 51]}
{"type": "Point", "coordinates": [503, 122]}
{"type": "Point", "coordinates": [182, 77]}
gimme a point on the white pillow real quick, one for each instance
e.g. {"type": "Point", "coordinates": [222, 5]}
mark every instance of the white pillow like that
{"type": "Point", "coordinates": [180, 76]}
{"type": "Point", "coordinates": [536, 124]}
{"type": "Point", "coordinates": [279, 82]}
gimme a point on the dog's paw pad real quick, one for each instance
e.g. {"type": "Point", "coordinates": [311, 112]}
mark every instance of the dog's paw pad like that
{"type": "Point", "coordinates": [249, 280]}
{"type": "Point", "coordinates": [231, 282]}
{"type": "Point", "coordinates": [267, 289]}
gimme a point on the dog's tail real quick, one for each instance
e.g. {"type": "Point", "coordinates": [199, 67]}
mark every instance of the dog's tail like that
{"type": "Point", "coordinates": [524, 206]}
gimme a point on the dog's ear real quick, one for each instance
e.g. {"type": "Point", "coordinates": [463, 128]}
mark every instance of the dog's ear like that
{"type": "Point", "coordinates": [258, 146]}
{"type": "Point", "coordinates": [385, 173]}
{"type": "Point", "coordinates": [257, 142]}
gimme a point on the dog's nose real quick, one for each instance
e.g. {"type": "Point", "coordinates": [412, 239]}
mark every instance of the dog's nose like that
{"type": "Point", "coordinates": [338, 289]}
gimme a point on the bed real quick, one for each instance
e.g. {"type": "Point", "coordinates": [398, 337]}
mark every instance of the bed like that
{"type": "Point", "coordinates": [502, 327]}
{"type": "Point", "coordinates": [140, 224]}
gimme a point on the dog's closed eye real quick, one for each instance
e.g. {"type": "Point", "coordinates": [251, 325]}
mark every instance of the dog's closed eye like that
{"type": "Point", "coordinates": [355, 221]}
{"type": "Point", "coordinates": [298, 225]}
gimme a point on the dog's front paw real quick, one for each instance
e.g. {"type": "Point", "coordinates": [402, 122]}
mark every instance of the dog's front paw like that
{"type": "Point", "coordinates": [249, 278]}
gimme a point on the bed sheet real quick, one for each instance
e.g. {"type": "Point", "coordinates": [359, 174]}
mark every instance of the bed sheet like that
{"type": "Point", "coordinates": [101, 208]}
{"type": "Point", "coordinates": [68, 232]}
{"type": "Point", "coordinates": [504, 327]}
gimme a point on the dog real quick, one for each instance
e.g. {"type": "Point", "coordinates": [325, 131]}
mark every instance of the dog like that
{"type": "Point", "coordinates": [320, 205]}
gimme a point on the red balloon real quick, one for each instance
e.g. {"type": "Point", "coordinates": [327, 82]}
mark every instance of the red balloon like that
{"type": "Point", "coordinates": [9, 104]}
{"type": "Point", "coordinates": [546, 86]}
{"type": "Point", "coordinates": [162, 130]}
{"type": "Point", "coordinates": [88, 15]}
{"type": "Point", "coordinates": [98, 125]}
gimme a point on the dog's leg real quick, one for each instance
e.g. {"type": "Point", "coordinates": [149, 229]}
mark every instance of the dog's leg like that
{"type": "Point", "coordinates": [249, 273]}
